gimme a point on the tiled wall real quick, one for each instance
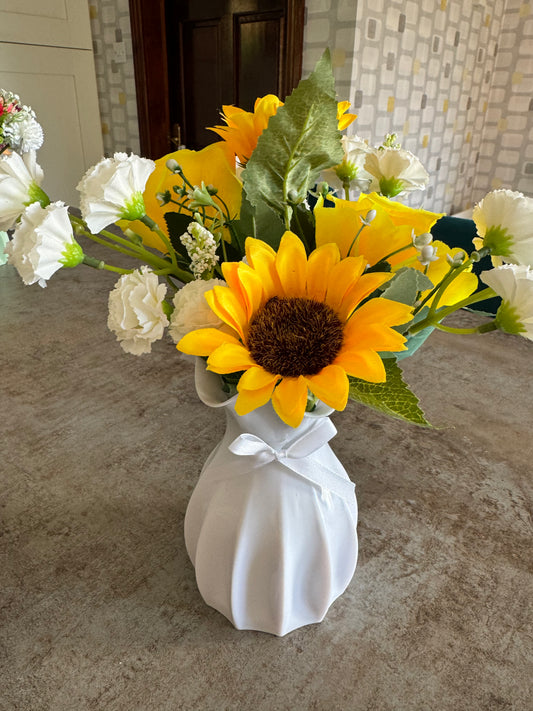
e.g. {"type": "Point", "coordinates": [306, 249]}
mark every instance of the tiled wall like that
{"type": "Point", "coordinates": [113, 56]}
{"type": "Point", "coordinates": [506, 152]}
{"type": "Point", "coordinates": [453, 78]}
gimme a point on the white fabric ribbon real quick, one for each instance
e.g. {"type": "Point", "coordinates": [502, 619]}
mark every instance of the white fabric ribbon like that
{"type": "Point", "coordinates": [298, 458]}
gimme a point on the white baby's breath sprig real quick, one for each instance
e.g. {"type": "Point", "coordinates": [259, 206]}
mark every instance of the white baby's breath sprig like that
{"type": "Point", "coordinates": [201, 247]}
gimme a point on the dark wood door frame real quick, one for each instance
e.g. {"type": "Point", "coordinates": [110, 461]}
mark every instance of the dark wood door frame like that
{"type": "Point", "coordinates": [151, 68]}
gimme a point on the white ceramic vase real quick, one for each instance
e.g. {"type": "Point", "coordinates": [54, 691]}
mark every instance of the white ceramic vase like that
{"type": "Point", "coordinates": [271, 525]}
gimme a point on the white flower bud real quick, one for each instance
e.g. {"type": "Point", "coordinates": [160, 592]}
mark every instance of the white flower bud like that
{"type": "Point", "coordinates": [428, 254]}
{"type": "Point", "coordinates": [422, 240]}
{"type": "Point", "coordinates": [173, 165]}
{"type": "Point", "coordinates": [369, 217]}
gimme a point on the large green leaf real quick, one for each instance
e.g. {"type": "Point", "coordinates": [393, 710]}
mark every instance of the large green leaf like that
{"type": "Point", "coordinates": [392, 397]}
{"type": "Point", "coordinates": [257, 222]}
{"type": "Point", "coordinates": [406, 285]}
{"type": "Point", "coordinates": [301, 140]}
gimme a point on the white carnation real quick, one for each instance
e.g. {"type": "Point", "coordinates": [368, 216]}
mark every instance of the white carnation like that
{"type": "Point", "coordinates": [42, 243]}
{"type": "Point", "coordinates": [136, 312]}
{"type": "Point", "coordinates": [355, 151]}
{"type": "Point", "coordinates": [504, 222]}
{"type": "Point", "coordinates": [191, 310]}
{"type": "Point", "coordinates": [514, 283]}
{"type": "Point", "coordinates": [20, 178]}
{"type": "Point", "coordinates": [25, 133]}
{"type": "Point", "coordinates": [396, 168]}
{"type": "Point", "coordinates": [113, 190]}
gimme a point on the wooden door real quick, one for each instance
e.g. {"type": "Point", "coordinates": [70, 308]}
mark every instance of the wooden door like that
{"type": "Point", "coordinates": [192, 57]}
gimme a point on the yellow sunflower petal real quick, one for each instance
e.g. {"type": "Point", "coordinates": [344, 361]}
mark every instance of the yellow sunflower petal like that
{"type": "Point", "coordinates": [330, 385]}
{"type": "Point", "coordinates": [342, 278]}
{"type": "Point", "coordinates": [365, 364]}
{"type": "Point", "coordinates": [289, 400]}
{"type": "Point", "coordinates": [291, 265]}
{"type": "Point", "coordinates": [379, 310]}
{"type": "Point", "coordinates": [204, 341]}
{"type": "Point", "coordinates": [248, 400]}
{"type": "Point", "coordinates": [245, 283]}
{"type": "Point", "coordinates": [377, 337]}
{"type": "Point", "coordinates": [227, 306]}
{"type": "Point", "coordinates": [358, 291]}
{"type": "Point", "coordinates": [262, 258]}
{"type": "Point", "coordinates": [321, 262]}
{"type": "Point", "coordinates": [230, 358]}
{"type": "Point", "coordinates": [255, 378]}
{"type": "Point", "coordinates": [343, 118]}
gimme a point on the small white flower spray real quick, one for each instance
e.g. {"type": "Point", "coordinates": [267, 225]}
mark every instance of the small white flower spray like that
{"type": "Point", "coordinates": [201, 247]}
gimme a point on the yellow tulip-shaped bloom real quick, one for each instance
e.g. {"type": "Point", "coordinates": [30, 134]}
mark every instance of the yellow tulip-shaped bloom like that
{"type": "Point", "coordinates": [213, 165]}
{"type": "Point", "coordinates": [298, 324]}
{"type": "Point", "coordinates": [389, 236]}
{"type": "Point", "coordinates": [389, 232]}
{"type": "Point", "coordinates": [460, 288]}
{"type": "Point", "coordinates": [243, 128]}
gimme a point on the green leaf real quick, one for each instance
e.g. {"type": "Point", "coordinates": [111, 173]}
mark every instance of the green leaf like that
{"type": "Point", "coordinates": [392, 397]}
{"type": "Point", "coordinates": [302, 139]}
{"type": "Point", "coordinates": [177, 223]}
{"type": "Point", "coordinates": [406, 284]}
{"type": "Point", "coordinates": [258, 222]}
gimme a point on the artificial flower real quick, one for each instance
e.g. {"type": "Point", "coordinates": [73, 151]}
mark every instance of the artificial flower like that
{"type": "Point", "coordinates": [298, 324]}
{"type": "Point", "coordinates": [344, 118]}
{"type": "Point", "coordinates": [136, 311]}
{"type": "Point", "coordinates": [389, 235]}
{"type": "Point", "coordinates": [24, 133]}
{"type": "Point", "coordinates": [395, 171]}
{"type": "Point", "coordinates": [213, 165]}
{"type": "Point", "coordinates": [504, 223]}
{"type": "Point", "coordinates": [514, 283]}
{"type": "Point", "coordinates": [243, 128]}
{"type": "Point", "coordinates": [436, 269]}
{"type": "Point", "coordinates": [201, 248]}
{"type": "Point", "coordinates": [113, 190]}
{"type": "Point", "coordinates": [191, 310]}
{"type": "Point", "coordinates": [20, 178]}
{"type": "Point", "coordinates": [352, 167]}
{"type": "Point", "coordinates": [42, 243]}
{"type": "Point", "coordinates": [19, 129]}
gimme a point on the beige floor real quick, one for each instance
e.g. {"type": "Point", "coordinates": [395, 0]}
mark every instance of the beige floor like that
{"type": "Point", "coordinates": [98, 603]}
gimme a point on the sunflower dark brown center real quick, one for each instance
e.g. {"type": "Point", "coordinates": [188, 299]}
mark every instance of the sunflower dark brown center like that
{"type": "Point", "coordinates": [294, 336]}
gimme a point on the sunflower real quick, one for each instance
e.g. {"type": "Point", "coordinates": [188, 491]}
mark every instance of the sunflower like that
{"type": "Point", "coordinates": [298, 324]}
{"type": "Point", "coordinates": [243, 128]}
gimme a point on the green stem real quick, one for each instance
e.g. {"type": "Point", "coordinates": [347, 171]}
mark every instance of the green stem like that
{"type": "Point", "coordinates": [154, 227]}
{"type": "Point", "coordinates": [346, 187]}
{"type": "Point", "coordinates": [287, 216]}
{"type": "Point", "coordinates": [355, 240]}
{"type": "Point", "coordinates": [396, 251]}
{"type": "Point", "coordinates": [482, 295]}
{"type": "Point", "coordinates": [100, 264]}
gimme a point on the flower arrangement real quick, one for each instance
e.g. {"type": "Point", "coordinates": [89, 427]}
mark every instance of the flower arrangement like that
{"type": "Point", "coordinates": [282, 254]}
{"type": "Point", "coordinates": [19, 129]}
